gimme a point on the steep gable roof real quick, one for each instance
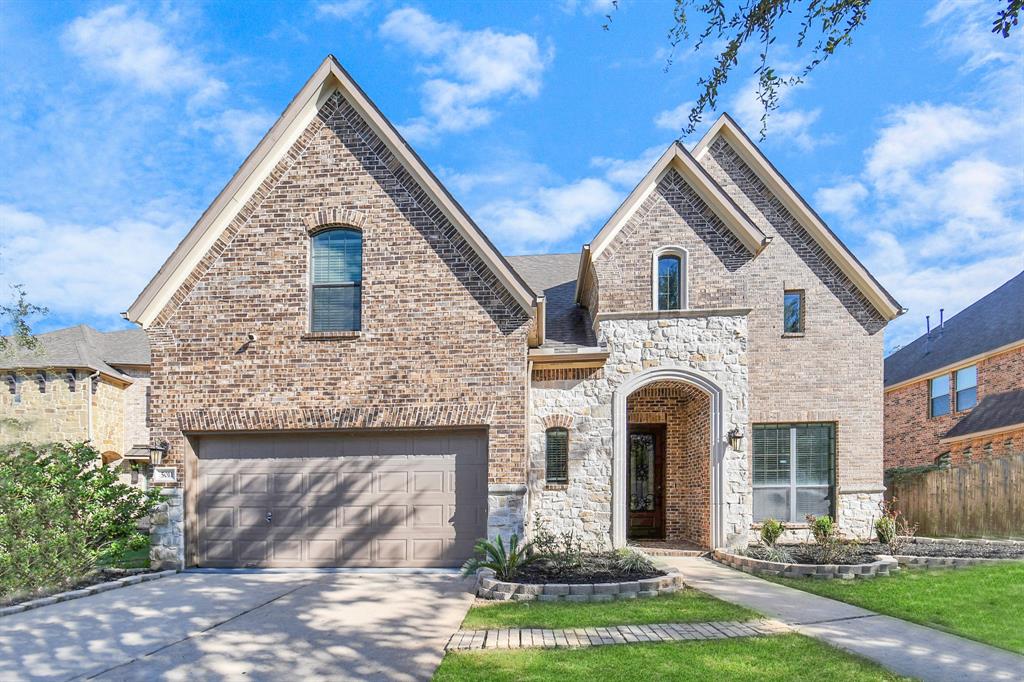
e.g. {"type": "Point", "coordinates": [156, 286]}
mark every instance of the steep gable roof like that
{"type": "Point", "coordinates": [993, 322]}
{"type": "Point", "coordinates": [567, 325]}
{"type": "Point", "coordinates": [677, 158]}
{"type": "Point", "coordinates": [729, 130]}
{"type": "Point", "coordinates": [329, 78]}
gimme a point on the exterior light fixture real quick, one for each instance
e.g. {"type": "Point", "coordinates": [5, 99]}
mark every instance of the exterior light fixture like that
{"type": "Point", "coordinates": [736, 439]}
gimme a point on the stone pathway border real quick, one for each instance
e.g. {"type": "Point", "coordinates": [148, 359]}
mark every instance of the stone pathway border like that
{"type": "Point", "coordinates": [536, 638]}
{"type": "Point", "coordinates": [86, 591]}
{"type": "Point", "coordinates": [882, 566]}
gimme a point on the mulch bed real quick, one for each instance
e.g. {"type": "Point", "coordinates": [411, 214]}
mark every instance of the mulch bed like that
{"type": "Point", "coordinates": [863, 553]}
{"type": "Point", "coordinates": [595, 568]}
{"type": "Point", "coordinates": [101, 575]}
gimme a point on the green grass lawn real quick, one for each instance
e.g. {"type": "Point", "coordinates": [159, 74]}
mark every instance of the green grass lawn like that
{"type": "Point", "coordinates": [780, 657]}
{"type": "Point", "coordinates": [984, 603]}
{"type": "Point", "coordinates": [138, 558]}
{"type": "Point", "coordinates": [685, 606]}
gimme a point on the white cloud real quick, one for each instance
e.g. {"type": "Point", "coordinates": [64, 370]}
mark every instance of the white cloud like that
{"type": "Point", "coordinates": [588, 6]}
{"type": "Point", "coordinates": [787, 123]}
{"type": "Point", "coordinates": [628, 172]}
{"type": "Point", "coordinates": [550, 215]}
{"type": "Point", "coordinates": [468, 70]}
{"type": "Point", "coordinates": [842, 199]}
{"type": "Point", "coordinates": [237, 129]}
{"type": "Point", "coordinates": [938, 203]}
{"type": "Point", "coordinates": [343, 9]}
{"type": "Point", "coordinates": [128, 46]}
{"type": "Point", "coordinates": [676, 118]}
{"type": "Point", "coordinates": [85, 270]}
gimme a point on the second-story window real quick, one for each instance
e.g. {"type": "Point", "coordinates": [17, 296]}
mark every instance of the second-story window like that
{"type": "Point", "coordinates": [938, 391]}
{"type": "Point", "coordinates": [337, 278]}
{"type": "Point", "coordinates": [670, 273]}
{"type": "Point", "coordinates": [793, 312]}
{"type": "Point", "coordinates": [966, 388]}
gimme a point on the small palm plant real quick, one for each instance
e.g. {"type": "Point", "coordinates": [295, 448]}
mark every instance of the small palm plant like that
{"type": "Point", "coordinates": [505, 562]}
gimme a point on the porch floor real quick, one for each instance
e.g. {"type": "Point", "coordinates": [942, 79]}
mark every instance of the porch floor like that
{"type": "Point", "coordinates": [668, 547]}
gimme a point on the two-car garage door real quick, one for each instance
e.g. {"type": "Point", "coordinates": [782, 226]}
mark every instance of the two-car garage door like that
{"type": "Point", "coordinates": [416, 498]}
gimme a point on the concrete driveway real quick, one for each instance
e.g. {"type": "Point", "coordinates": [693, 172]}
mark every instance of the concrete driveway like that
{"type": "Point", "coordinates": [252, 626]}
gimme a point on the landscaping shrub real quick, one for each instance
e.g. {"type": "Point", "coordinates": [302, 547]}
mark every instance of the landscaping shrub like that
{"type": "Point", "coordinates": [771, 531]}
{"type": "Point", "coordinates": [830, 548]}
{"type": "Point", "coordinates": [892, 528]}
{"type": "Point", "coordinates": [61, 510]}
{"type": "Point", "coordinates": [628, 559]}
{"type": "Point", "coordinates": [504, 562]}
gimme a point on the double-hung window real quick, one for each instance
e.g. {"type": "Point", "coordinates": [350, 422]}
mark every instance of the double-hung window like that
{"type": "Point", "coordinates": [556, 454]}
{"type": "Point", "coordinates": [938, 392]}
{"type": "Point", "coordinates": [337, 278]}
{"type": "Point", "coordinates": [794, 470]}
{"type": "Point", "coordinates": [966, 388]}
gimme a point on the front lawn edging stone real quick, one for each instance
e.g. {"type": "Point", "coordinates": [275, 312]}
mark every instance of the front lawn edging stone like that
{"type": "Point", "coordinates": [882, 566]}
{"type": "Point", "coordinates": [85, 591]}
{"type": "Point", "coordinates": [487, 587]}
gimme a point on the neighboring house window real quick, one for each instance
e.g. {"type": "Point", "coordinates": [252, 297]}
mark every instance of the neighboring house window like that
{"type": "Point", "coordinates": [793, 312]}
{"type": "Point", "coordinates": [794, 471]}
{"type": "Point", "coordinates": [337, 264]}
{"type": "Point", "coordinates": [670, 278]}
{"type": "Point", "coordinates": [557, 455]}
{"type": "Point", "coordinates": [966, 388]}
{"type": "Point", "coordinates": [938, 390]}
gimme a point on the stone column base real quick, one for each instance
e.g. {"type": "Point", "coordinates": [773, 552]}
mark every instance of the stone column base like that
{"type": "Point", "coordinates": [167, 531]}
{"type": "Point", "coordinates": [506, 506]}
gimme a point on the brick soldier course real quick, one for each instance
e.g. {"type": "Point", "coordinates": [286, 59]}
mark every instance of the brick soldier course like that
{"type": "Point", "coordinates": [451, 337]}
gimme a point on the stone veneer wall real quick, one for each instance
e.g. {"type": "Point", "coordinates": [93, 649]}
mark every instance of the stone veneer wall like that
{"type": "Point", "coordinates": [685, 411]}
{"type": "Point", "coordinates": [442, 343]}
{"type": "Point", "coordinates": [714, 346]}
{"type": "Point", "coordinates": [167, 531]}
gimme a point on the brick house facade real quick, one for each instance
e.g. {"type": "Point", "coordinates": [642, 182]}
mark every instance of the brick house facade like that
{"type": "Point", "coordinates": [459, 353]}
{"type": "Point", "coordinates": [983, 344]}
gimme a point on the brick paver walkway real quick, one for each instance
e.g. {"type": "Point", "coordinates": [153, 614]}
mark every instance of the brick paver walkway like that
{"type": "Point", "coordinates": [618, 634]}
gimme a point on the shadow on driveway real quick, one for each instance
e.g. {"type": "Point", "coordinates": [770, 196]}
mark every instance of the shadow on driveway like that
{"type": "Point", "coordinates": [257, 626]}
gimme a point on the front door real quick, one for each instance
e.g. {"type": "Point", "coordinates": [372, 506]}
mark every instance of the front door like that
{"type": "Point", "coordinates": [646, 474]}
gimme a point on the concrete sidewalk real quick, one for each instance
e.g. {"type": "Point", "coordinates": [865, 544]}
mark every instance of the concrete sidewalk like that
{"type": "Point", "coordinates": [902, 647]}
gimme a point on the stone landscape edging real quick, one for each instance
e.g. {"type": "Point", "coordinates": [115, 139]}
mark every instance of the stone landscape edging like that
{"type": "Point", "coordinates": [85, 591]}
{"type": "Point", "coordinates": [490, 588]}
{"type": "Point", "coordinates": [882, 566]}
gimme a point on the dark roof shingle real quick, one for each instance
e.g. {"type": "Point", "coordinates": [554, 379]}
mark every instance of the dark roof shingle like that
{"type": "Point", "coordinates": [993, 412]}
{"type": "Point", "coordinates": [991, 322]}
{"type": "Point", "coordinates": [82, 347]}
{"type": "Point", "coordinates": [567, 325]}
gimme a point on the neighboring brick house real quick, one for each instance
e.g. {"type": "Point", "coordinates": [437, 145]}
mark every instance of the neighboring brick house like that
{"type": "Point", "coordinates": [80, 384]}
{"type": "Point", "coordinates": [956, 394]}
{"type": "Point", "coordinates": [347, 372]}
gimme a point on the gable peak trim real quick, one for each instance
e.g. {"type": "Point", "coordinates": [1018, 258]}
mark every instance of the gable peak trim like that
{"type": "Point", "coordinates": [727, 128]}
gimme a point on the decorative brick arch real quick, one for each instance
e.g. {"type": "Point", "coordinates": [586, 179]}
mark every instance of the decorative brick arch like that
{"type": "Point", "coordinates": [328, 217]}
{"type": "Point", "coordinates": [555, 421]}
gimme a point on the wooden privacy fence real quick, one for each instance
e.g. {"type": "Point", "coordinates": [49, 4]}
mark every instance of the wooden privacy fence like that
{"type": "Point", "coordinates": [980, 499]}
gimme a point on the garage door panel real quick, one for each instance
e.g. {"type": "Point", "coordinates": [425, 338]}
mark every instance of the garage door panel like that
{"type": "Point", "coordinates": [410, 499]}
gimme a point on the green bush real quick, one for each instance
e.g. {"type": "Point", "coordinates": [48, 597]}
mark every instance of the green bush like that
{"type": "Point", "coordinates": [504, 562]}
{"type": "Point", "coordinates": [771, 531]}
{"type": "Point", "coordinates": [830, 547]}
{"type": "Point", "coordinates": [61, 510]}
{"type": "Point", "coordinates": [634, 561]}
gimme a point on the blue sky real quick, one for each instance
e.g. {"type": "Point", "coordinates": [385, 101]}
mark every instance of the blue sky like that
{"type": "Point", "coordinates": [119, 123]}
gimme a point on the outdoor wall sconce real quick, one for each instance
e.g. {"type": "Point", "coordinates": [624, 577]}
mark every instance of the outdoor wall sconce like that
{"type": "Point", "coordinates": [735, 439]}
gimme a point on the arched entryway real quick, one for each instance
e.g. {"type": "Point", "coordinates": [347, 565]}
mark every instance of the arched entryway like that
{"type": "Point", "coordinates": [672, 421]}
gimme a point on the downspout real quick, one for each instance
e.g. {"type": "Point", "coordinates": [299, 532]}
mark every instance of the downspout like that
{"type": "Point", "coordinates": [88, 404]}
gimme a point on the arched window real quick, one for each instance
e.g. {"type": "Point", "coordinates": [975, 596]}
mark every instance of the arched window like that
{"type": "Point", "coordinates": [556, 451]}
{"type": "Point", "coordinates": [337, 277]}
{"type": "Point", "coordinates": [670, 279]}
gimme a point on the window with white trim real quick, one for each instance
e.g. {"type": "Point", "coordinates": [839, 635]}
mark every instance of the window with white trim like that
{"type": "Point", "coordinates": [336, 280]}
{"type": "Point", "coordinates": [938, 396]}
{"type": "Point", "coordinates": [669, 279]}
{"type": "Point", "coordinates": [794, 471]}
{"type": "Point", "coordinates": [966, 388]}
